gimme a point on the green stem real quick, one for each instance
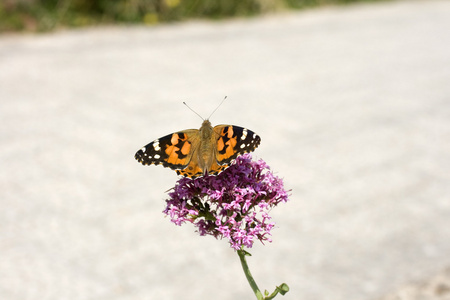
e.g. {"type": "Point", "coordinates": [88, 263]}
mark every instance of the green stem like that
{"type": "Point", "coordinates": [251, 281]}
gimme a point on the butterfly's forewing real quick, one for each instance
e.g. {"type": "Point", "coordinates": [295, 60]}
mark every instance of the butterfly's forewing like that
{"type": "Point", "coordinates": [233, 141]}
{"type": "Point", "coordinates": [173, 150]}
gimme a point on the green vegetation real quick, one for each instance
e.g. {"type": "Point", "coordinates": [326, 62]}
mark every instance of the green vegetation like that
{"type": "Point", "coordinates": [45, 15]}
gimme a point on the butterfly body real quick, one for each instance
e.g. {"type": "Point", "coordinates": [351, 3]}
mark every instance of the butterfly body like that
{"type": "Point", "coordinates": [193, 153]}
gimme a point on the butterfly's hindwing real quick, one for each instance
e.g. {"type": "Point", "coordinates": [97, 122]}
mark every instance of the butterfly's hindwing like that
{"type": "Point", "coordinates": [191, 171]}
{"type": "Point", "coordinates": [233, 141]}
{"type": "Point", "coordinates": [216, 168]}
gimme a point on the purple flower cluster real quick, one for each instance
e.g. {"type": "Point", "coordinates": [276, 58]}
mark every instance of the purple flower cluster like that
{"type": "Point", "coordinates": [232, 205]}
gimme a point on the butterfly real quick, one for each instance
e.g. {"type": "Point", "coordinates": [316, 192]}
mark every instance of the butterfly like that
{"type": "Point", "coordinates": [197, 152]}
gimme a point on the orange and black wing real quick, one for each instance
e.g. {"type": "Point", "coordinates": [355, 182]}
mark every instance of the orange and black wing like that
{"type": "Point", "coordinates": [172, 151]}
{"type": "Point", "coordinates": [233, 141]}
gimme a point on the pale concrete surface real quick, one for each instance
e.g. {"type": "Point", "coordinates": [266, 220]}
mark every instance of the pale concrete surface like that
{"type": "Point", "coordinates": [353, 107]}
{"type": "Point", "coordinates": [437, 287]}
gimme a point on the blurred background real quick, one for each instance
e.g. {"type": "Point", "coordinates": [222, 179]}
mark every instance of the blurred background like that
{"type": "Point", "coordinates": [44, 15]}
{"type": "Point", "coordinates": [352, 103]}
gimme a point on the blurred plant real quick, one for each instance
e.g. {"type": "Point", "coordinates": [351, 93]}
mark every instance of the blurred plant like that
{"type": "Point", "coordinates": [44, 15]}
{"type": "Point", "coordinates": [232, 205]}
{"type": "Point", "coordinates": [311, 3]}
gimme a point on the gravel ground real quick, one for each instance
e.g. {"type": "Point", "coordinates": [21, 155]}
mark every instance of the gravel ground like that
{"type": "Point", "coordinates": [353, 107]}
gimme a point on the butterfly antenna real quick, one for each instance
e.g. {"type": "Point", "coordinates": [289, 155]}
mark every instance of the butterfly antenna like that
{"type": "Point", "coordinates": [217, 107]}
{"type": "Point", "coordinates": [193, 110]}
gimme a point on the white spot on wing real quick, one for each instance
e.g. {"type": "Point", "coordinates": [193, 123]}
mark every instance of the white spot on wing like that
{"type": "Point", "coordinates": [156, 145]}
{"type": "Point", "coordinates": [157, 156]}
{"type": "Point", "coordinates": [143, 149]}
{"type": "Point", "coordinates": [244, 134]}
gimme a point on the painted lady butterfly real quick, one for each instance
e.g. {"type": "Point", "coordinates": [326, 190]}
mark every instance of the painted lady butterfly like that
{"type": "Point", "coordinates": [193, 153]}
